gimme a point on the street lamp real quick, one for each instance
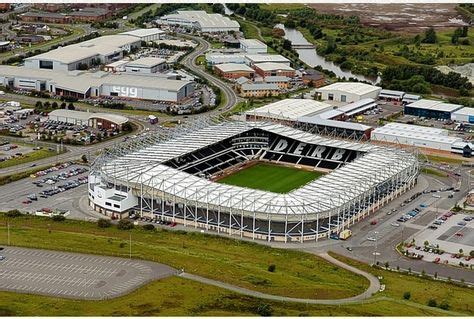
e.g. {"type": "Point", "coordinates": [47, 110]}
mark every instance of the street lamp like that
{"type": "Point", "coordinates": [375, 247]}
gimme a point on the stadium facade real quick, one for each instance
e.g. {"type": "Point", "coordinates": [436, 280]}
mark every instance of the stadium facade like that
{"type": "Point", "coordinates": [172, 178]}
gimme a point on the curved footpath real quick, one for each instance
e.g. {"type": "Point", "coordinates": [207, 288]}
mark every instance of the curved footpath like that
{"type": "Point", "coordinates": [374, 286]}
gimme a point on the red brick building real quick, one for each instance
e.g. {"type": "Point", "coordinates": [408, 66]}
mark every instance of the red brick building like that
{"type": "Point", "coordinates": [234, 70]}
{"type": "Point", "coordinates": [274, 69]}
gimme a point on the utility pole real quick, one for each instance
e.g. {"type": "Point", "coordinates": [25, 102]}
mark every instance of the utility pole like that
{"type": "Point", "coordinates": [130, 251]}
{"type": "Point", "coordinates": [8, 233]}
{"type": "Point", "coordinates": [375, 248]}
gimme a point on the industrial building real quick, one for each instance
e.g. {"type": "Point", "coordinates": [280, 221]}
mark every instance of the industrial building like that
{"type": "Point", "coordinates": [175, 180]}
{"type": "Point", "coordinates": [287, 110]}
{"type": "Point", "coordinates": [201, 21]}
{"type": "Point", "coordinates": [464, 115]}
{"type": "Point", "coordinates": [282, 82]}
{"type": "Point", "coordinates": [259, 89]}
{"type": "Point", "coordinates": [274, 69]}
{"type": "Point", "coordinates": [234, 70]}
{"type": "Point", "coordinates": [422, 137]}
{"type": "Point", "coordinates": [101, 50]}
{"type": "Point", "coordinates": [147, 35]}
{"type": "Point", "coordinates": [431, 109]}
{"type": "Point", "coordinates": [410, 98]}
{"type": "Point", "coordinates": [81, 84]}
{"type": "Point", "coordinates": [219, 58]}
{"type": "Point", "coordinates": [253, 46]}
{"type": "Point", "coordinates": [348, 91]}
{"type": "Point", "coordinates": [146, 65]}
{"type": "Point", "coordinates": [391, 95]}
{"type": "Point", "coordinates": [95, 120]}
{"type": "Point", "coordinates": [313, 78]}
{"type": "Point", "coordinates": [264, 58]}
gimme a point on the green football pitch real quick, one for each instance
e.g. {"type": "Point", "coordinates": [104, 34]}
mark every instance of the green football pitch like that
{"type": "Point", "coordinates": [269, 177]}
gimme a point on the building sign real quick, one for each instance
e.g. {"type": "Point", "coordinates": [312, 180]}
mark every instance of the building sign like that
{"type": "Point", "coordinates": [125, 91]}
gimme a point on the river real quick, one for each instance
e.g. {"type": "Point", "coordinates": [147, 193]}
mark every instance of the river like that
{"type": "Point", "coordinates": [312, 58]}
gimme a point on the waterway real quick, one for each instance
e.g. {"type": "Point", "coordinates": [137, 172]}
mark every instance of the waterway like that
{"type": "Point", "coordinates": [312, 58]}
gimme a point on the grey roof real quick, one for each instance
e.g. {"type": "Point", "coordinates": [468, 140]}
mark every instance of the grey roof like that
{"type": "Point", "coordinates": [253, 43]}
{"type": "Point", "coordinates": [234, 67]}
{"type": "Point", "coordinates": [357, 88]}
{"type": "Point", "coordinates": [318, 120]}
{"type": "Point", "coordinates": [144, 32]}
{"type": "Point", "coordinates": [148, 62]}
{"type": "Point", "coordinates": [434, 105]}
{"type": "Point", "coordinates": [259, 86]}
{"type": "Point", "coordinates": [391, 93]}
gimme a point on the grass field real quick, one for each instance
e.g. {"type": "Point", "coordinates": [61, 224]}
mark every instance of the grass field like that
{"type": "Point", "coordinates": [237, 262]}
{"type": "Point", "coordinates": [272, 178]}
{"type": "Point", "coordinates": [459, 299]}
{"type": "Point", "coordinates": [28, 157]}
{"type": "Point", "coordinates": [180, 297]}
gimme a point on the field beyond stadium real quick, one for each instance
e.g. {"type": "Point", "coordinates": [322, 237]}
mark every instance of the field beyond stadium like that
{"type": "Point", "coordinates": [270, 177]}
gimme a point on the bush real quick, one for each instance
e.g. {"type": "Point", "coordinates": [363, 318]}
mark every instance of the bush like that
{"type": "Point", "coordinates": [84, 158]}
{"type": "Point", "coordinates": [444, 305]}
{"type": "Point", "coordinates": [103, 223]}
{"type": "Point", "coordinates": [125, 224]}
{"type": "Point", "coordinates": [406, 295]}
{"type": "Point", "coordinates": [58, 218]}
{"type": "Point", "coordinates": [13, 213]}
{"type": "Point", "coordinates": [432, 303]}
{"type": "Point", "coordinates": [148, 227]}
{"type": "Point", "coordinates": [272, 268]}
{"type": "Point", "coordinates": [264, 310]}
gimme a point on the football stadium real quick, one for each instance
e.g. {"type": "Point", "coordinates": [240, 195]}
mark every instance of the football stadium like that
{"type": "Point", "coordinates": [257, 180]}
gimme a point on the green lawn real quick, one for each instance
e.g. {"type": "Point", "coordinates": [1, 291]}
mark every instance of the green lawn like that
{"type": "Point", "coordinates": [28, 157]}
{"type": "Point", "coordinates": [270, 177]}
{"type": "Point", "coordinates": [180, 297]}
{"type": "Point", "coordinates": [434, 171]}
{"type": "Point", "coordinates": [237, 262]}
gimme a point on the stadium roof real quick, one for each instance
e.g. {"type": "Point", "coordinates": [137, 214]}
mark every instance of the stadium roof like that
{"type": "Point", "coordinates": [234, 67]}
{"type": "Point", "coordinates": [357, 88]}
{"type": "Point", "coordinates": [145, 168]}
{"type": "Point", "coordinates": [290, 109]}
{"type": "Point", "coordinates": [320, 120]}
{"type": "Point", "coordinates": [271, 66]}
{"type": "Point", "coordinates": [435, 105]}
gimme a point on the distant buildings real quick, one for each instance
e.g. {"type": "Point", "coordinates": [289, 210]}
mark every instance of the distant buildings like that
{"type": "Point", "coordinates": [234, 70]}
{"type": "Point", "coordinates": [200, 21]}
{"type": "Point", "coordinates": [146, 65]}
{"type": "Point", "coordinates": [431, 109]}
{"type": "Point", "coordinates": [313, 78]}
{"type": "Point", "coordinates": [95, 120]}
{"type": "Point", "coordinates": [274, 69]}
{"type": "Point", "coordinates": [348, 91]}
{"type": "Point", "coordinates": [85, 15]}
{"type": "Point", "coordinates": [259, 89]}
{"type": "Point", "coordinates": [253, 46]}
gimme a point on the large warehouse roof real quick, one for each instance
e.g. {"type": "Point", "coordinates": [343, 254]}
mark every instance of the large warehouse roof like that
{"type": "Point", "coordinates": [253, 43]}
{"type": "Point", "coordinates": [290, 109]}
{"type": "Point", "coordinates": [435, 105]}
{"type": "Point", "coordinates": [272, 66]}
{"type": "Point", "coordinates": [408, 132]}
{"type": "Point", "coordinates": [147, 62]}
{"type": "Point", "coordinates": [102, 45]}
{"type": "Point", "coordinates": [145, 167]}
{"type": "Point", "coordinates": [139, 33]}
{"type": "Point", "coordinates": [234, 67]}
{"type": "Point", "coordinates": [84, 116]}
{"type": "Point", "coordinates": [350, 87]}
{"type": "Point", "coordinates": [80, 81]}
{"type": "Point", "coordinates": [203, 19]}
{"type": "Point", "coordinates": [261, 58]}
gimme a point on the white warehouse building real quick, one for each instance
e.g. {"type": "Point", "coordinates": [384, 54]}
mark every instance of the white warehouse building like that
{"type": "Point", "coordinates": [420, 136]}
{"type": "Point", "coordinates": [201, 21]}
{"type": "Point", "coordinates": [146, 65]}
{"type": "Point", "coordinates": [348, 92]}
{"type": "Point", "coordinates": [253, 46]}
{"type": "Point", "coordinates": [147, 35]}
{"type": "Point", "coordinates": [464, 115]}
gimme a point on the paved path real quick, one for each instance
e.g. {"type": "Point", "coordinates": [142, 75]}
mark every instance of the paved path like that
{"type": "Point", "coordinates": [373, 287]}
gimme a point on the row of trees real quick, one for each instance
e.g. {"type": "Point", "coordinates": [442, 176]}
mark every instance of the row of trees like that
{"type": "Point", "coordinates": [46, 106]}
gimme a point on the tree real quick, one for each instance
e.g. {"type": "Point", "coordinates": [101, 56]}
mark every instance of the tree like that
{"type": "Point", "coordinates": [331, 46]}
{"type": "Point", "coordinates": [386, 264]}
{"type": "Point", "coordinates": [426, 243]}
{"type": "Point", "coordinates": [218, 8]}
{"type": "Point", "coordinates": [71, 106]}
{"type": "Point", "coordinates": [13, 213]}
{"type": "Point", "coordinates": [84, 158]}
{"type": "Point", "coordinates": [272, 268]}
{"type": "Point", "coordinates": [290, 24]}
{"type": "Point", "coordinates": [286, 44]}
{"type": "Point", "coordinates": [471, 253]}
{"type": "Point", "coordinates": [39, 105]}
{"type": "Point", "coordinates": [430, 36]}
{"type": "Point", "coordinates": [444, 305]}
{"type": "Point", "coordinates": [125, 224]}
{"type": "Point", "coordinates": [432, 302]}
{"type": "Point", "coordinates": [54, 105]}
{"type": "Point", "coordinates": [406, 295]}
{"type": "Point", "coordinates": [63, 105]}
{"type": "Point", "coordinates": [127, 127]}
{"type": "Point", "coordinates": [264, 310]}
{"type": "Point", "coordinates": [461, 251]}
{"type": "Point", "coordinates": [103, 223]}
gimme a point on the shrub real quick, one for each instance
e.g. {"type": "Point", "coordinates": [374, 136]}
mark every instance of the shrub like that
{"type": "Point", "coordinates": [13, 213]}
{"type": "Point", "coordinates": [103, 223]}
{"type": "Point", "coordinates": [432, 302]}
{"type": "Point", "coordinates": [124, 224]}
{"type": "Point", "coordinates": [84, 158]}
{"type": "Point", "coordinates": [444, 305]}
{"type": "Point", "coordinates": [122, 245]}
{"type": "Point", "coordinates": [264, 310]}
{"type": "Point", "coordinates": [148, 227]}
{"type": "Point", "coordinates": [58, 218]}
{"type": "Point", "coordinates": [406, 295]}
{"type": "Point", "coordinates": [272, 268]}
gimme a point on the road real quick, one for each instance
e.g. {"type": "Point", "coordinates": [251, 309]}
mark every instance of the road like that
{"type": "Point", "coordinates": [231, 98]}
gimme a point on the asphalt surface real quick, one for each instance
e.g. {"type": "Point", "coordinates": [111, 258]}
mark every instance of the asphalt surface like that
{"type": "Point", "coordinates": [75, 276]}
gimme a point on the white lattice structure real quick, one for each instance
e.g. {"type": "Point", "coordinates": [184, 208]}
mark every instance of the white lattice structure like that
{"type": "Point", "coordinates": [171, 179]}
